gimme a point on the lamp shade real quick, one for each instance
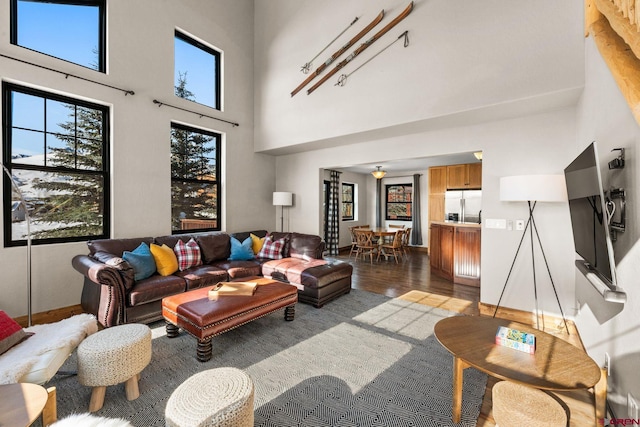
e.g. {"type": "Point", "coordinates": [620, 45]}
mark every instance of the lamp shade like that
{"type": "Point", "coordinates": [378, 173]}
{"type": "Point", "coordinates": [539, 188]}
{"type": "Point", "coordinates": [282, 198]}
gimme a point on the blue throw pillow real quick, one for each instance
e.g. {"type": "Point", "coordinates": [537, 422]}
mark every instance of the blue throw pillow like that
{"type": "Point", "coordinates": [141, 260]}
{"type": "Point", "coordinates": [241, 251]}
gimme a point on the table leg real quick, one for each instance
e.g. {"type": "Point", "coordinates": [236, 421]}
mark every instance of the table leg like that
{"type": "Point", "coordinates": [50, 411]}
{"type": "Point", "coordinates": [172, 330]}
{"type": "Point", "coordinates": [458, 374]}
{"type": "Point", "coordinates": [204, 351]}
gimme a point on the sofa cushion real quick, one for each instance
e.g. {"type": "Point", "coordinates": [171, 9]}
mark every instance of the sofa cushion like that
{"type": "Point", "coordinates": [141, 260]}
{"type": "Point", "coordinates": [276, 235]}
{"type": "Point", "coordinates": [244, 234]}
{"type": "Point", "coordinates": [203, 275]}
{"type": "Point", "coordinates": [166, 261]}
{"type": "Point", "coordinates": [214, 246]}
{"type": "Point", "coordinates": [241, 251]}
{"type": "Point", "coordinates": [305, 246]}
{"type": "Point", "coordinates": [188, 254]}
{"type": "Point", "coordinates": [272, 249]}
{"type": "Point", "coordinates": [237, 269]}
{"type": "Point", "coordinates": [155, 288]}
{"type": "Point", "coordinates": [116, 246]}
{"type": "Point", "coordinates": [124, 268]}
{"type": "Point", "coordinates": [257, 243]}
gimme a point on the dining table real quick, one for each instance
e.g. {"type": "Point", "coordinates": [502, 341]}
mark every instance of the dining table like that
{"type": "Point", "coordinates": [382, 233]}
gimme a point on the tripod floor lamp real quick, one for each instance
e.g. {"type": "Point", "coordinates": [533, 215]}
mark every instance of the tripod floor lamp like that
{"type": "Point", "coordinates": [533, 189]}
{"type": "Point", "coordinates": [282, 199]}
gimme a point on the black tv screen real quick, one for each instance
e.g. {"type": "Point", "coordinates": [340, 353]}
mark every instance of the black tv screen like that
{"type": "Point", "coordinates": [589, 218]}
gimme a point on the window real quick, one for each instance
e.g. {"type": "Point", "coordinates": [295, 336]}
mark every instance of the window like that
{"type": "Point", "coordinates": [348, 203]}
{"type": "Point", "coordinates": [197, 71]}
{"type": "Point", "coordinates": [398, 205]}
{"type": "Point", "coordinates": [71, 30]}
{"type": "Point", "coordinates": [195, 185]}
{"type": "Point", "coordinates": [56, 149]}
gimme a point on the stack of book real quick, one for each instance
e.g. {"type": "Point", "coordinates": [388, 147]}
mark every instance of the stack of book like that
{"type": "Point", "coordinates": [515, 339]}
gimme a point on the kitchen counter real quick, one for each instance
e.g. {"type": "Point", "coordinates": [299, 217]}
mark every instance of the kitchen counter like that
{"type": "Point", "coordinates": [457, 224]}
{"type": "Point", "coordinates": [454, 251]}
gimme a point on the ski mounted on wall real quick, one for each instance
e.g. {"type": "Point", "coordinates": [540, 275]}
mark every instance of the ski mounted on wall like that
{"type": "Point", "coordinates": [307, 66]}
{"type": "Point", "coordinates": [339, 52]}
{"type": "Point", "coordinates": [362, 47]}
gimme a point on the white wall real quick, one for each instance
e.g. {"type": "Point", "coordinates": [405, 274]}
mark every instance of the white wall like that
{"type": "Point", "coordinates": [140, 58]}
{"type": "Point", "coordinates": [604, 116]}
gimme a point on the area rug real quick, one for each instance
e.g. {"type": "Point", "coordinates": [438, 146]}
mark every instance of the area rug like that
{"type": "Point", "coordinates": [361, 360]}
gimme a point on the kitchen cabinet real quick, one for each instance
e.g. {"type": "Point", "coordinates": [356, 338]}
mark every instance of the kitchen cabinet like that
{"type": "Point", "coordinates": [464, 177]}
{"type": "Point", "coordinates": [437, 188]}
{"type": "Point", "coordinates": [454, 252]}
{"type": "Point", "coordinates": [441, 244]}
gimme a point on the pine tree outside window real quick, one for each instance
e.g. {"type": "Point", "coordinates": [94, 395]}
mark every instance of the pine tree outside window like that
{"type": "Point", "coordinates": [195, 184]}
{"type": "Point", "coordinates": [200, 65]}
{"type": "Point", "coordinates": [56, 148]}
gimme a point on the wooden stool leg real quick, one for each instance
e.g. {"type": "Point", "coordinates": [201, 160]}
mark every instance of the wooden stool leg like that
{"type": "Point", "coordinates": [50, 411]}
{"type": "Point", "coordinates": [131, 388]}
{"type": "Point", "coordinates": [97, 398]}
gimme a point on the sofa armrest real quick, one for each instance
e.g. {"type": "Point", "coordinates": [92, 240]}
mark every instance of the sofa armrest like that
{"type": "Point", "coordinates": [96, 271]}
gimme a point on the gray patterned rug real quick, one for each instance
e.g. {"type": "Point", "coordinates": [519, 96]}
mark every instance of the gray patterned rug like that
{"type": "Point", "coordinates": [362, 360]}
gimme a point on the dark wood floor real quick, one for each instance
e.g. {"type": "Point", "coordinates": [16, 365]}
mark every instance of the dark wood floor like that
{"type": "Point", "coordinates": [412, 273]}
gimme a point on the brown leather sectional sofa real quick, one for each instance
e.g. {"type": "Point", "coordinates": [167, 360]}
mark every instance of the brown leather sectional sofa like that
{"type": "Point", "coordinates": [111, 293]}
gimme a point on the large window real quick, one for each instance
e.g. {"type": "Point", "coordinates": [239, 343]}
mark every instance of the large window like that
{"type": "Point", "coordinates": [197, 71]}
{"type": "Point", "coordinates": [195, 181]}
{"type": "Point", "coordinates": [398, 202]}
{"type": "Point", "coordinates": [56, 149]}
{"type": "Point", "coordinates": [348, 202]}
{"type": "Point", "coordinates": [71, 30]}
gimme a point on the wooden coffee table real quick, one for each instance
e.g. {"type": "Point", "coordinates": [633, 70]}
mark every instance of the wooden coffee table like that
{"type": "Point", "coordinates": [555, 365]}
{"type": "Point", "coordinates": [22, 403]}
{"type": "Point", "coordinates": [193, 312]}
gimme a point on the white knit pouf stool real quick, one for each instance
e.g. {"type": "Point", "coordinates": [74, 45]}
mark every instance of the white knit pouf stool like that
{"type": "Point", "coordinates": [112, 356]}
{"type": "Point", "coordinates": [216, 397]}
{"type": "Point", "coordinates": [516, 405]}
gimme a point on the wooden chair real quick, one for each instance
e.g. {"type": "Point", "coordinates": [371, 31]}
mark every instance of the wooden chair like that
{"type": "Point", "coordinates": [354, 242]}
{"type": "Point", "coordinates": [364, 243]}
{"type": "Point", "coordinates": [406, 240]}
{"type": "Point", "coordinates": [395, 247]}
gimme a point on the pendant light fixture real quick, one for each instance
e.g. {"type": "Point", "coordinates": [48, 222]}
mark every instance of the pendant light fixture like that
{"type": "Point", "coordinates": [378, 173]}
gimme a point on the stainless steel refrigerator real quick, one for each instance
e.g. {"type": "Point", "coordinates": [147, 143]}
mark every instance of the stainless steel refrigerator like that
{"type": "Point", "coordinates": [463, 205]}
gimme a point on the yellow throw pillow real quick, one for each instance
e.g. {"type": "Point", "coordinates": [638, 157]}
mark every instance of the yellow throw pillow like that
{"type": "Point", "coordinates": [166, 261]}
{"type": "Point", "coordinates": [256, 243]}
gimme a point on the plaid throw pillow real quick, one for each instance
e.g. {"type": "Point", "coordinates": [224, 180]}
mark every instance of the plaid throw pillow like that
{"type": "Point", "coordinates": [271, 249]}
{"type": "Point", "coordinates": [188, 254]}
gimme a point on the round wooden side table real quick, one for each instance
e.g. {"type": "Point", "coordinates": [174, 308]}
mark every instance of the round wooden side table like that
{"type": "Point", "coordinates": [21, 404]}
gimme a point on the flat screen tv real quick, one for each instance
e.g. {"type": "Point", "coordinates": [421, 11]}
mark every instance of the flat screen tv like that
{"type": "Point", "coordinates": [589, 218]}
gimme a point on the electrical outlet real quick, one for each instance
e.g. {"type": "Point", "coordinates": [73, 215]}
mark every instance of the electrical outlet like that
{"type": "Point", "coordinates": [632, 407]}
{"type": "Point", "coordinates": [509, 224]}
{"type": "Point", "coordinates": [520, 224]}
{"type": "Point", "coordinates": [607, 363]}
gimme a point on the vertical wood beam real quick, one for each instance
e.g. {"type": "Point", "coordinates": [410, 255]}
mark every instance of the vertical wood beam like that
{"type": "Point", "coordinates": [591, 15]}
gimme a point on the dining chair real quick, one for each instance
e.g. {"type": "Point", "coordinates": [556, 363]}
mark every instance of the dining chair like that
{"type": "Point", "coordinates": [395, 247]}
{"type": "Point", "coordinates": [354, 242]}
{"type": "Point", "coordinates": [364, 243]}
{"type": "Point", "coordinates": [406, 240]}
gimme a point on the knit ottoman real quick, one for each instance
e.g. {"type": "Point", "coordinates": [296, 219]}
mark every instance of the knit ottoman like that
{"type": "Point", "coordinates": [216, 397]}
{"type": "Point", "coordinates": [112, 356]}
{"type": "Point", "coordinates": [516, 405]}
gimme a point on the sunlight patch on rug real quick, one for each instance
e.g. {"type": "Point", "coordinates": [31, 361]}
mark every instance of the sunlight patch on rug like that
{"type": "Point", "coordinates": [404, 317]}
{"type": "Point", "coordinates": [356, 362]}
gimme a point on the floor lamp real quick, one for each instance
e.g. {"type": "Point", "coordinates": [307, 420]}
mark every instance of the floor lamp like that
{"type": "Point", "coordinates": [282, 199]}
{"type": "Point", "coordinates": [28, 219]}
{"type": "Point", "coordinates": [533, 189]}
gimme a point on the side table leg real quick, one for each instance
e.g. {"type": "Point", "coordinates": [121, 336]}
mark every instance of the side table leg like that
{"type": "Point", "coordinates": [50, 411]}
{"type": "Point", "coordinates": [289, 313]}
{"type": "Point", "coordinates": [204, 350]}
{"type": "Point", "coordinates": [172, 330]}
{"type": "Point", "coordinates": [458, 374]}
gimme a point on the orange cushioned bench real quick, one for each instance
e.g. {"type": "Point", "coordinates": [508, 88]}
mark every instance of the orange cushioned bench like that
{"type": "Point", "coordinates": [203, 318]}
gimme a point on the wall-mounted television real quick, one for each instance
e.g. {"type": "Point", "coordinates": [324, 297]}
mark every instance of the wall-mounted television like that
{"type": "Point", "coordinates": [590, 224]}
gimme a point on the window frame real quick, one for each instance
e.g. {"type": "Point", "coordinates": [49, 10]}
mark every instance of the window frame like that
{"type": "Point", "coordinates": [217, 183]}
{"type": "Point", "coordinates": [102, 29]}
{"type": "Point", "coordinates": [218, 67]}
{"type": "Point", "coordinates": [352, 202]}
{"type": "Point", "coordinates": [387, 203]}
{"type": "Point", "coordinates": [7, 145]}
